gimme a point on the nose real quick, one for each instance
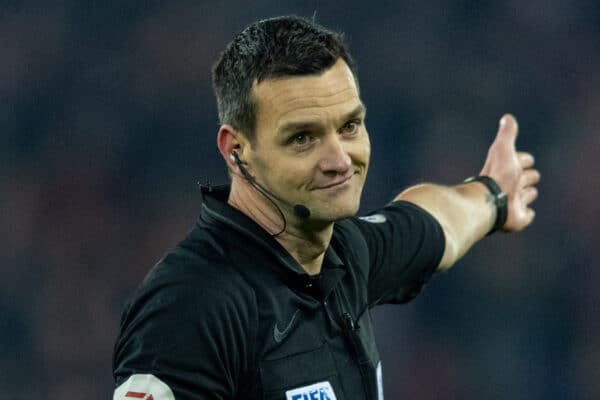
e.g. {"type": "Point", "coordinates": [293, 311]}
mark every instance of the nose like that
{"type": "Point", "coordinates": [335, 158]}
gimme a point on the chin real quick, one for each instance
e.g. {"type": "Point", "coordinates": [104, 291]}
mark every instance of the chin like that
{"type": "Point", "coordinates": [335, 208]}
{"type": "Point", "coordinates": [337, 213]}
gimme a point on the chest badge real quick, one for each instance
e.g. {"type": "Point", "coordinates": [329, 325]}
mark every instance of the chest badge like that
{"type": "Point", "coordinates": [279, 335]}
{"type": "Point", "coordinates": [317, 391]}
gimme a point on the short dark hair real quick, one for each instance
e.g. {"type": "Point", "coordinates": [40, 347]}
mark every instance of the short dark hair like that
{"type": "Point", "coordinates": [271, 48]}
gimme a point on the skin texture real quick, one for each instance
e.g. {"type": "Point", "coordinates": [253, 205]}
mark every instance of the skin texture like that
{"type": "Point", "coordinates": [311, 148]}
{"type": "Point", "coordinates": [515, 173]}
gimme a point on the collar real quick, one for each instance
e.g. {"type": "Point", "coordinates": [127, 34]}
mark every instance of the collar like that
{"type": "Point", "coordinates": [217, 212]}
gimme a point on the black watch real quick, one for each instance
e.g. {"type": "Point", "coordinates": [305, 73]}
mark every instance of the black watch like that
{"type": "Point", "coordinates": [500, 200]}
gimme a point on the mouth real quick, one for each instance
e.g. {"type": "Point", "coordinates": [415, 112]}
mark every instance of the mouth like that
{"type": "Point", "coordinates": [336, 184]}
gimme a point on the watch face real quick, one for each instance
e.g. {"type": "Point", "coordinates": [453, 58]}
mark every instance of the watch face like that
{"type": "Point", "coordinates": [501, 199]}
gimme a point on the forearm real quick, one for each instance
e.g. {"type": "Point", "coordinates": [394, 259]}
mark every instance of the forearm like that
{"type": "Point", "coordinates": [466, 213]}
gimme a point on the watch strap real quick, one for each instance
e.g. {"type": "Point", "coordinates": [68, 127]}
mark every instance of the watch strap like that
{"type": "Point", "coordinates": [500, 200]}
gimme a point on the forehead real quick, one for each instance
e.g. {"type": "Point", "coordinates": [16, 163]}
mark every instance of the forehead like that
{"type": "Point", "coordinates": [305, 98]}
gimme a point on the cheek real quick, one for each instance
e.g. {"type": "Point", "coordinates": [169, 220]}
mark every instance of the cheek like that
{"type": "Point", "coordinates": [278, 172]}
{"type": "Point", "coordinates": [367, 151]}
{"type": "Point", "coordinates": [296, 177]}
{"type": "Point", "coordinates": [362, 151]}
{"type": "Point", "coordinates": [367, 144]}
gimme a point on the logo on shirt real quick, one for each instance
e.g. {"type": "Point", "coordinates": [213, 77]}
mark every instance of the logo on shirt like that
{"type": "Point", "coordinates": [144, 387]}
{"type": "Point", "coordinates": [374, 219]}
{"type": "Point", "coordinates": [280, 335]}
{"type": "Point", "coordinates": [317, 391]}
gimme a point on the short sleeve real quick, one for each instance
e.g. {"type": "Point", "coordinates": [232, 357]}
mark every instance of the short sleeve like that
{"type": "Point", "coordinates": [405, 245]}
{"type": "Point", "coordinates": [187, 335]}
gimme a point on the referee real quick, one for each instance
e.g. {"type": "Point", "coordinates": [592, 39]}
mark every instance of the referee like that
{"type": "Point", "coordinates": [269, 296]}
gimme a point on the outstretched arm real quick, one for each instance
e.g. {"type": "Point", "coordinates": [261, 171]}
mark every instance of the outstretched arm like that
{"type": "Point", "coordinates": [467, 211]}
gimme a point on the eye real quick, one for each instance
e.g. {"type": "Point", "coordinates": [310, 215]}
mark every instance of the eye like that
{"type": "Point", "coordinates": [351, 127]}
{"type": "Point", "coordinates": [300, 139]}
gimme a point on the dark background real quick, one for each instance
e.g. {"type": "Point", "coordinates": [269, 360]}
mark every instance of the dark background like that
{"type": "Point", "coordinates": [107, 121]}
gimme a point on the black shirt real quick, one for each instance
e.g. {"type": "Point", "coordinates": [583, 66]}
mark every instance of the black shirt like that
{"type": "Point", "coordinates": [229, 313]}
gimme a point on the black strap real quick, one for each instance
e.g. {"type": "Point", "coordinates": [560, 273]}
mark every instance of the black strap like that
{"type": "Point", "coordinates": [500, 200]}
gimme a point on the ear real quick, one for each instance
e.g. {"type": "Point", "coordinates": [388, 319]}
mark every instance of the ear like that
{"type": "Point", "coordinates": [228, 141]}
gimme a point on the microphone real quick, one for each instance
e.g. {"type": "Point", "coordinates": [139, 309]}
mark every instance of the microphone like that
{"type": "Point", "coordinates": [300, 210]}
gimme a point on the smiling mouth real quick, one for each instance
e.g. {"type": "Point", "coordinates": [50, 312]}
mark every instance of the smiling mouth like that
{"type": "Point", "coordinates": [336, 184]}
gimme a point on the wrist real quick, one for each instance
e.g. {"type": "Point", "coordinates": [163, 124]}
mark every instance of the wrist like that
{"type": "Point", "coordinates": [499, 200]}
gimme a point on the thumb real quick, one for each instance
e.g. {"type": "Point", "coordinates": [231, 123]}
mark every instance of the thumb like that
{"type": "Point", "coordinates": [508, 130]}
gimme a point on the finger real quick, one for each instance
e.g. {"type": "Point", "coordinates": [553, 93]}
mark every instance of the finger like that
{"type": "Point", "coordinates": [528, 195]}
{"type": "Point", "coordinates": [529, 177]}
{"type": "Point", "coordinates": [526, 159]}
{"type": "Point", "coordinates": [507, 132]}
{"type": "Point", "coordinates": [529, 215]}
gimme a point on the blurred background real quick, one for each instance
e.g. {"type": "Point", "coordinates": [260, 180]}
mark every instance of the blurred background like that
{"type": "Point", "coordinates": [107, 122]}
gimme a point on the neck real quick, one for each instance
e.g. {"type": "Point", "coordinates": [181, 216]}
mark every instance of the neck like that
{"type": "Point", "coordinates": [305, 242]}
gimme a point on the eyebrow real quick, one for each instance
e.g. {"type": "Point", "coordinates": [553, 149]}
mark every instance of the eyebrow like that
{"type": "Point", "coordinates": [308, 125]}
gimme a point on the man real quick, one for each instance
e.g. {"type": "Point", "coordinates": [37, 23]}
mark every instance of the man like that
{"type": "Point", "coordinates": [269, 296]}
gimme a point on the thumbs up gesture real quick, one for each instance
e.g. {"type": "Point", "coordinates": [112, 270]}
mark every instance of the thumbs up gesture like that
{"type": "Point", "coordinates": [513, 171]}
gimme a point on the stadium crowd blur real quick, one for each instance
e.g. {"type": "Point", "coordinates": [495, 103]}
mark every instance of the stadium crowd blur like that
{"type": "Point", "coordinates": [107, 123]}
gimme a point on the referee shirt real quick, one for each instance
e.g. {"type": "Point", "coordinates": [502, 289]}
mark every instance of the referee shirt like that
{"type": "Point", "coordinates": [229, 314]}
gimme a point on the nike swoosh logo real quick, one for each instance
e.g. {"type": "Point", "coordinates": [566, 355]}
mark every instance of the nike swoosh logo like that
{"type": "Point", "coordinates": [280, 335]}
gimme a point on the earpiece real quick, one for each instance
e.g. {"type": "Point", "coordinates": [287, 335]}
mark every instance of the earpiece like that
{"type": "Point", "coordinates": [236, 159]}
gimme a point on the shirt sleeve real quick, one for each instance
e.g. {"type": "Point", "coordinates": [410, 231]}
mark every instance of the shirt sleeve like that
{"type": "Point", "coordinates": [405, 245]}
{"type": "Point", "coordinates": [188, 337]}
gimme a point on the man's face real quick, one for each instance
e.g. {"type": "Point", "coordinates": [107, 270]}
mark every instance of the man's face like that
{"type": "Point", "coordinates": [311, 146]}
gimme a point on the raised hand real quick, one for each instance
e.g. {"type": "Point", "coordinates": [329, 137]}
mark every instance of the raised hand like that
{"type": "Point", "coordinates": [514, 172]}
